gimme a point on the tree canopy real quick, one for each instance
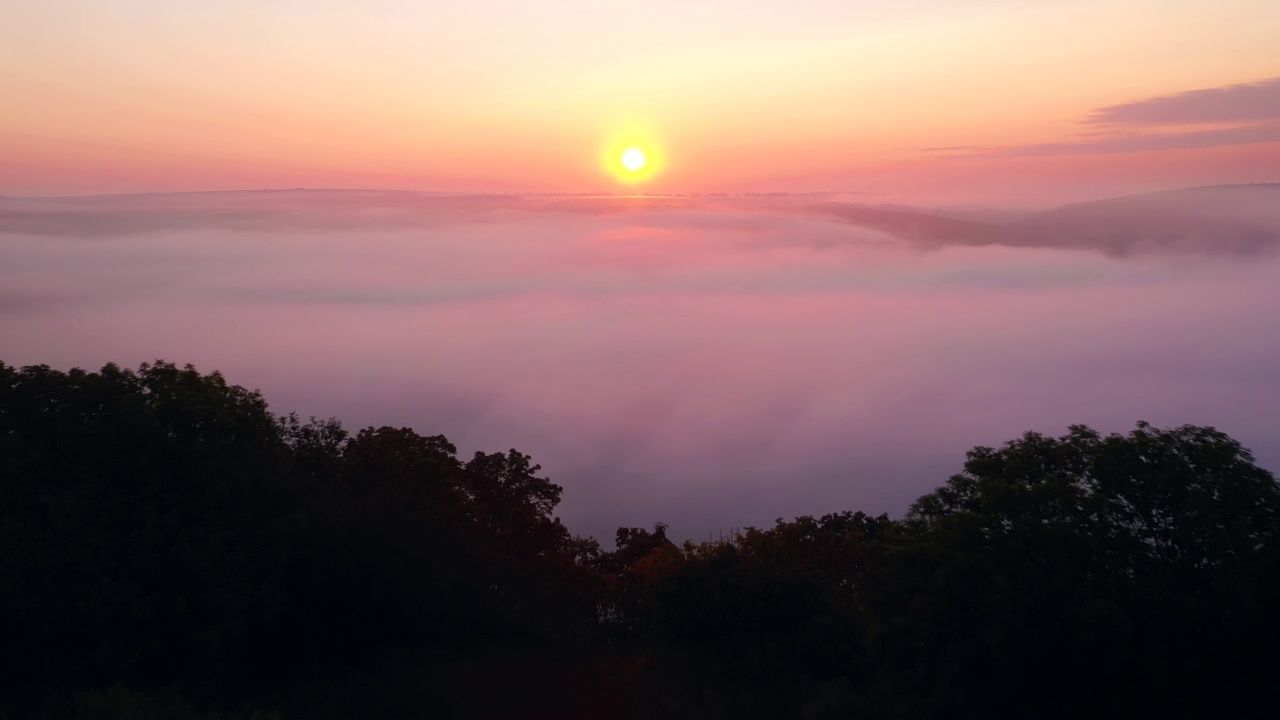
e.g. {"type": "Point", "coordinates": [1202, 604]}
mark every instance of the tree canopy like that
{"type": "Point", "coordinates": [171, 548]}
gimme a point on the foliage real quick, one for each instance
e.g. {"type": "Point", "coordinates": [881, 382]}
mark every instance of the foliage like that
{"type": "Point", "coordinates": [162, 528]}
{"type": "Point", "coordinates": [170, 548]}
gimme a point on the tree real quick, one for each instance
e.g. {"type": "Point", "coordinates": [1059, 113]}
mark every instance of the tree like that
{"type": "Point", "coordinates": [163, 535]}
{"type": "Point", "coordinates": [161, 527]}
{"type": "Point", "coordinates": [1141, 566]}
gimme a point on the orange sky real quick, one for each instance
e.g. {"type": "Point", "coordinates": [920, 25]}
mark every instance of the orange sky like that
{"type": "Point", "coordinates": [140, 95]}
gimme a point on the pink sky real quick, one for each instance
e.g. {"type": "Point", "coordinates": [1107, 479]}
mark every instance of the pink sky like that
{"type": "Point", "coordinates": [705, 361]}
{"type": "Point", "coordinates": [1041, 102]}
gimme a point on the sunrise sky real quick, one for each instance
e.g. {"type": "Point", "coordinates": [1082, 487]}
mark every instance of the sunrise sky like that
{"type": "Point", "coordinates": [706, 361]}
{"type": "Point", "coordinates": [1034, 102]}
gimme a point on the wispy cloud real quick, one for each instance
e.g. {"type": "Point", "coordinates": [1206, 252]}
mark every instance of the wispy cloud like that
{"type": "Point", "coordinates": [1146, 142]}
{"type": "Point", "coordinates": [1246, 102]}
{"type": "Point", "coordinates": [1249, 111]}
{"type": "Point", "coordinates": [247, 211]}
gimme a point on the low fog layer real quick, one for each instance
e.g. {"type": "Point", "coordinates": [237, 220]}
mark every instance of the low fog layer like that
{"type": "Point", "coordinates": [708, 362]}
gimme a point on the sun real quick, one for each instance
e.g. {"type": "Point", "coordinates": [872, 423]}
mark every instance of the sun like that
{"type": "Point", "coordinates": [632, 153]}
{"type": "Point", "coordinates": [633, 159]}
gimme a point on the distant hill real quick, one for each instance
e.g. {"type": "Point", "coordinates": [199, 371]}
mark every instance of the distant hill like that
{"type": "Point", "coordinates": [1238, 219]}
{"type": "Point", "coordinates": [1220, 218]}
{"type": "Point", "coordinates": [910, 223]}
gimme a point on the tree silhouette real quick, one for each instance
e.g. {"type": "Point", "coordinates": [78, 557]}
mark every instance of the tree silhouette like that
{"type": "Point", "coordinates": [1140, 566]}
{"type": "Point", "coordinates": [169, 547]}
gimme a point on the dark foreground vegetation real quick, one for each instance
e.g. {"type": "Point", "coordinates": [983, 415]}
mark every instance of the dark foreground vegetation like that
{"type": "Point", "coordinates": [170, 549]}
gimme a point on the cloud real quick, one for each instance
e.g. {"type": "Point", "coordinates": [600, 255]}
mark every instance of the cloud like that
{"type": "Point", "coordinates": [245, 211]}
{"type": "Point", "coordinates": [706, 362]}
{"type": "Point", "coordinates": [614, 237]}
{"type": "Point", "coordinates": [1246, 102]}
{"type": "Point", "coordinates": [1132, 142]}
{"type": "Point", "coordinates": [1220, 220]}
{"type": "Point", "coordinates": [1236, 220]}
{"type": "Point", "coordinates": [1251, 111]}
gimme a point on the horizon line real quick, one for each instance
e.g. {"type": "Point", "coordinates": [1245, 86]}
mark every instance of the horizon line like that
{"type": "Point", "coordinates": [552, 194]}
{"type": "Point", "coordinates": [450, 193]}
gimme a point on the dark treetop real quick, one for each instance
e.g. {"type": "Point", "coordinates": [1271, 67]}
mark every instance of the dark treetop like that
{"type": "Point", "coordinates": [169, 548]}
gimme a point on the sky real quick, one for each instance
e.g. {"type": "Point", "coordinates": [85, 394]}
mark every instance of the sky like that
{"type": "Point", "coordinates": [962, 101]}
{"type": "Point", "coordinates": [710, 363]}
{"type": "Point", "coordinates": [866, 236]}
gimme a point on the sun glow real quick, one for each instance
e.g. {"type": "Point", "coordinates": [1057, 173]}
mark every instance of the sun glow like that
{"type": "Point", "coordinates": [632, 155]}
